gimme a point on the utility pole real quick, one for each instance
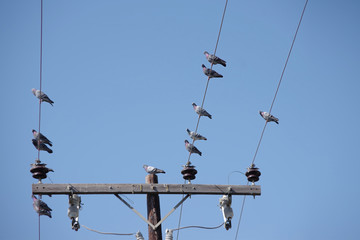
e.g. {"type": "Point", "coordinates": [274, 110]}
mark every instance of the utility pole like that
{"type": "Point", "coordinates": [152, 189]}
{"type": "Point", "coordinates": [153, 209]}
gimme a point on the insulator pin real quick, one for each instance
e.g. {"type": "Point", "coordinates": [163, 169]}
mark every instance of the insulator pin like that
{"type": "Point", "coordinates": [253, 174]}
{"type": "Point", "coordinates": [189, 172]}
{"type": "Point", "coordinates": [39, 170]}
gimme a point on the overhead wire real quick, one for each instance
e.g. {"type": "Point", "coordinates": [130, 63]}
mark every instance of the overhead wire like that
{"type": "Point", "coordinates": [272, 104]}
{"type": "Point", "coordinates": [41, 43]}
{"type": "Point", "coordinates": [208, 80]}
{"type": "Point", "coordinates": [40, 74]}
{"type": "Point", "coordinates": [203, 101]}
{"type": "Point", "coordinates": [202, 227]}
{"type": "Point", "coordinates": [108, 233]}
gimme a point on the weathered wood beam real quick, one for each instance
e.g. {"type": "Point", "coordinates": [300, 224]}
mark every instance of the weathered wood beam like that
{"type": "Point", "coordinates": [213, 189]}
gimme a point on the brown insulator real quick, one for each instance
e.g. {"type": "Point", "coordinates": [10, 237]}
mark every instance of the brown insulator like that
{"type": "Point", "coordinates": [253, 174]}
{"type": "Point", "coordinates": [189, 172]}
{"type": "Point", "coordinates": [39, 170]}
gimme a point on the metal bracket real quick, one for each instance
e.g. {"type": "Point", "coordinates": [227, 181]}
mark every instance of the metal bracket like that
{"type": "Point", "coordinates": [143, 218]}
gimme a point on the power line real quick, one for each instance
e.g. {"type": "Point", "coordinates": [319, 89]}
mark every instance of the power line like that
{"type": "Point", "coordinates": [208, 80]}
{"type": "Point", "coordinates": [41, 38]}
{"type": "Point", "coordinates": [272, 104]}
{"type": "Point", "coordinates": [107, 233]}
{"type": "Point", "coordinates": [202, 103]}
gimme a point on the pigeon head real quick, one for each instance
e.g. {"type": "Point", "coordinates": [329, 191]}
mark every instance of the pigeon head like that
{"type": "Point", "coordinates": [186, 141]}
{"type": "Point", "coordinates": [203, 66]}
{"type": "Point", "coordinates": [145, 166]}
{"type": "Point", "coordinates": [33, 91]}
{"type": "Point", "coordinates": [188, 130]}
{"type": "Point", "coordinates": [260, 112]}
{"type": "Point", "coordinates": [194, 104]}
{"type": "Point", "coordinates": [206, 53]}
{"type": "Point", "coordinates": [33, 131]}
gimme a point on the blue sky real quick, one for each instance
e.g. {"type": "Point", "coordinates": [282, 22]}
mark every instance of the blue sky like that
{"type": "Point", "coordinates": [123, 76]}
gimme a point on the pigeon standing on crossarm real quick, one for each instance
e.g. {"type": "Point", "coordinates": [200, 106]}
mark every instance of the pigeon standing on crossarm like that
{"type": "Point", "coordinates": [214, 59]}
{"type": "Point", "coordinates": [152, 170]}
{"type": "Point", "coordinates": [211, 73]}
{"type": "Point", "coordinates": [268, 117]}
{"type": "Point", "coordinates": [38, 136]}
{"type": "Point", "coordinates": [41, 207]}
{"type": "Point", "coordinates": [200, 111]}
{"type": "Point", "coordinates": [191, 148]}
{"type": "Point", "coordinates": [42, 96]}
{"type": "Point", "coordinates": [42, 146]}
{"type": "Point", "coordinates": [195, 136]}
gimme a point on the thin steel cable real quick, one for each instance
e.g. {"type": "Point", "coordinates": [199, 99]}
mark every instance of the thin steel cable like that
{"type": "Point", "coordinates": [177, 235]}
{"type": "Point", "coordinates": [41, 37]}
{"type": "Point", "coordinates": [39, 226]}
{"type": "Point", "coordinates": [208, 80]}
{"type": "Point", "coordinates": [108, 233]}
{"type": "Point", "coordinates": [242, 209]}
{"type": "Point", "coordinates": [41, 40]}
{"type": "Point", "coordinates": [272, 103]}
{"type": "Point", "coordinates": [197, 227]}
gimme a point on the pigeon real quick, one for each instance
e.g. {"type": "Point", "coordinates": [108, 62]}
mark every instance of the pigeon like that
{"type": "Point", "coordinates": [152, 170]}
{"type": "Point", "coordinates": [195, 136]}
{"type": "Point", "coordinates": [41, 207]}
{"type": "Point", "coordinates": [42, 147]}
{"type": "Point", "coordinates": [42, 96]}
{"type": "Point", "coordinates": [191, 148]}
{"type": "Point", "coordinates": [42, 138]}
{"type": "Point", "coordinates": [268, 117]}
{"type": "Point", "coordinates": [200, 111]}
{"type": "Point", "coordinates": [214, 59]}
{"type": "Point", "coordinates": [211, 73]}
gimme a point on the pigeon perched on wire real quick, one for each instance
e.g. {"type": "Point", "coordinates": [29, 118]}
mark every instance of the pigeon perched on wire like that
{"type": "Point", "coordinates": [42, 146]}
{"type": "Point", "coordinates": [38, 136]}
{"type": "Point", "coordinates": [191, 148]}
{"type": "Point", "coordinates": [41, 207]}
{"type": "Point", "coordinates": [195, 136]}
{"type": "Point", "coordinates": [152, 170]}
{"type": "Point", "coordinates": [42, 96]}
{"type": "Point", "coordinates": [214, 59]}
{"type": "Point", "coordinates": [211, 73]}
{"type": "Point", "coordinates": [268, 117]}
{"type": "Point", "coordinates": [200, 111]}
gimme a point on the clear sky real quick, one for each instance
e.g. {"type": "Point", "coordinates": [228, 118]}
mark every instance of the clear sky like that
{"type": "Point", "coordinates": [123, 75]}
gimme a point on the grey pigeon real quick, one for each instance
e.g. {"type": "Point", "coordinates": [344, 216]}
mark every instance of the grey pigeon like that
{"type": "Point", "coordinates": [211, 73]}
{"type": "Point", "coordinates": [152, 170]}
{"type": "Point", "coordinates": [42, 147]}
{"type": "Point", "coordinates": [195, 136]}
{"type": "Point", "coordinates": [191, 148]}
{"type": "Point", "coordinates": [214, 59]}
{"type": "Point", "coordinates": [41, 207]}
{"type": "Point", "coordinates": [200, 111]}
{"type": "Point", "coordinates": [42, 96]}
{"type": "Point", "coordinates": [42, 138]}
{"type": "Point", "coordinates": [268, 117]}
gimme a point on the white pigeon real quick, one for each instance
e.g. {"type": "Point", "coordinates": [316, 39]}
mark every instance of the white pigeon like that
{"type": "Point", "coordinates": [42, 96]}
{"type": "Point", "coordinates": [268, 117]}
{"type": "Point", "coordinates": [152, 170]}
{"type": "Point", "coordinates": [200, 111]}
{"type": "Point", "coordinates": [195, 136]}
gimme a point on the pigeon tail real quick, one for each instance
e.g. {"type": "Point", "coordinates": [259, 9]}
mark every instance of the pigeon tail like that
{"type": "Point", "coordinates": [222, 62]}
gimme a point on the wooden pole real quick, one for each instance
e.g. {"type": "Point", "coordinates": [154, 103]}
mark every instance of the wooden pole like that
{"type": "Point", "coordinates": [153, 209]}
